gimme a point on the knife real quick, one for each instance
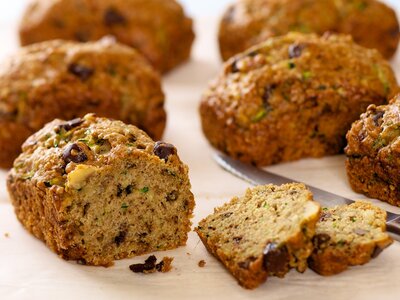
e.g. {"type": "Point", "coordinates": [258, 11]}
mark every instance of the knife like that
{"type": "Point", "coordinates": [256, 176]}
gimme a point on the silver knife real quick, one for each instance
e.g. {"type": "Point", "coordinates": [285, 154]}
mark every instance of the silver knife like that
{"type": "Point", "coordinates": [257, 176]}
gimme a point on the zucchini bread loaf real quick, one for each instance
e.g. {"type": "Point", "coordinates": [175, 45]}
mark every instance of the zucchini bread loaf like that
{"type": "Point", "coordinates": [265, 232]}
{"type": "Point", "coordinates": [293, 96]}
{"type": "Point", "coordinates": [373, 153]}
{"type": "Point", "coordinates": [59, 79]}
{"type": "Point", "coordinates": [246, 23]}
{"type": "Point", "coordinates": [96, 190]}
{"type": "Point", "coordinates": [348, 235]}
{"type": "Point", "coordinates": [159, 29]}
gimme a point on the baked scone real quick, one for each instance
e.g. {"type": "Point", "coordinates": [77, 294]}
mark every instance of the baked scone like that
{"type": "Point", "coordinates": [348, 235]}
{"type": "Point", "coordinates": [268, 231]}
{"type": "Point", "coordinates": [96, 190]}
{"type": "Point", "coordinates": [373, 153]}
{"type": "Point", "coordinates": [293, 96]}
{"type": "Point", "coordinates": [59, 79]}
{"type": "Point", "coordinates": [249, 22]}
{"type": "Point", "coordinates": [159, 29]}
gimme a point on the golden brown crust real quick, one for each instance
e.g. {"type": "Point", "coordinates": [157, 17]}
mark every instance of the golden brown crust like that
{"type": "Point", "coordinates": [59, 79]}
{"type": "Point", "coordinates": [159, 29]}
{"type": "Point", "coordinates": [373, 153]}
{"type": "Point", "coordinates": [348, 236]}
{"type": "Point", "coordinates": [96, 190]}
{"type": "Point", "coordinates": [293, 96]}
{"type": "Point", "coordinates": [249, 22]}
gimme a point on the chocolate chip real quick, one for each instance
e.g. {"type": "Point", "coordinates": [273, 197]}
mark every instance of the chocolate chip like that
{"type": "Point", "coordinates": [378, 250]}
{"type": "Point", "coordinates": [320, 239]}
{"type": "Point", "coordinates": [360, 231]}
{"type": "Point", "coordinates": [172, 196]}
{"type": "Point", "coordinates": [164, 150]}
{"type": "Point", "coordinates": [47, 184]}
{"type": "Point", "coordinates": [377, 116]}
{"type": "Point", "coordinates": [234, 67]}
{"type": "Point", "coordinates": [148, 266]}
{"type": "Point", "coordinates": [227, 215]}
{"type": "Point", "coordinates": [295, 50]}
{"type": "Point", "coordinates": [159, 266]}
{"type": "Point", "coordinates": [268, 90]}
{"type": "Point", "coordinates": [113, 17]}
{"type": "Point", "coordinates": [128, 189]}
{"type": "Point", "coordinates": [119, 190]}
{"type": "Point", "coordinates": [82, 72]}
{"type": "Point", "coordinates": [276, 259]}
{"type": "Point", "coordinates": [70, 124]}
{"type": "Point", "coordinates": [120, 238]}
{"type": "Point", "coordinates": [73, 153]}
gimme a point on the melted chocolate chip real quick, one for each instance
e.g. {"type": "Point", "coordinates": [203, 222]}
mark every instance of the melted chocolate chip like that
{"type": "Point", "coordinates": [70, 124]}
{"type": "Point", "coordinates": [120, 238]}
{"type": "Point", "coordinates": [164, 150]}
{"type": "Point", "coordinates": [82, 72]}
{"type": "Point", "coordinates": [320, 239]}
{"type": "Point", "coordinates": [113, 17]}
{"type": "Point", "coordinates": [360, 231]}
{"type": "Point", "coordinates": [149, 265]}
{"type": "Point", "coordinates": [73, 153]}
{"type": "Point", "coordinates": [377, 116]}
{"type": "Point", "coordinates": [275, 259]}
{"type": "Point", "coordinates": [295, 50]}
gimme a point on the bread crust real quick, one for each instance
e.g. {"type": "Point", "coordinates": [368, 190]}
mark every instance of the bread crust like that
{"type": "Point", "coordinates": [159, 29]}
{"type": "Point", "coordinates": [60, 79]}
{"type": "Point", "coordinates": [248, 22]}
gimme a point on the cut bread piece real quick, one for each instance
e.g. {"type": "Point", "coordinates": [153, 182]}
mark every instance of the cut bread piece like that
{"type": "Point", "coordinates": [96, 190]}
{"type": "Point", "coordinates": [348, 235]}
{"type": "Point", "coordinates": [268, 231]}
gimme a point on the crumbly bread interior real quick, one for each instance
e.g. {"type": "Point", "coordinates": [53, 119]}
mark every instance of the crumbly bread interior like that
{"type": "Point", "coordinates": [266, 218]}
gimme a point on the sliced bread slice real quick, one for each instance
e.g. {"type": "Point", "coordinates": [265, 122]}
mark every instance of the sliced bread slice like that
{"type": "Point", "coordinates": [348, 235]}
{"type": "Point", "coordinates": [268, 231]}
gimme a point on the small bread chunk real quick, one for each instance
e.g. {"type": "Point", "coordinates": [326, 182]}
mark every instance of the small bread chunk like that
{"type": "Point", "coordinates": [96, 190]}
{"type": "Point", "coordinates": [348, 235]}
{"type": "Point", "coordinates": [268, 231]}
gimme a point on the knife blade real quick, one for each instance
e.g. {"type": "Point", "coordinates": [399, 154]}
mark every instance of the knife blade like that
{"type": "Point", "coordinates": [256, 176]}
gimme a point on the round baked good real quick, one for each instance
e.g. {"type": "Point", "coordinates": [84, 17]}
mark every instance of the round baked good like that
{"type": "Point", "coordinates": [373, 153]}
{"type": "Point", "coordinates": [96, 190]}
{"type": "Point", "coordinates": [266, 232]}
{"type": "Point", "coordinates": [293, 96]}
{"type": "Point", "coordinates": [159, 29]}
{"type": "Point", "coordinates": [59, 79]}
{"type": "Point", "coordinates": [348, 235]}
{"type": "Point", "coordinates": [249, 22]}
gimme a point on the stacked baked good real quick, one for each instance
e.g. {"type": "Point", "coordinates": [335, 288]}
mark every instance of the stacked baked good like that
{"type": "Point", "coordinates": [249, 22]}
{"type": "Point", "coordinates": [268, 231]}
{"type": "Point", "coordinates": [159, 29]}
{"type": "Point", "coordinates": [274, 228]}
{"type": "Point", "coordinates": [373, 153]}
{"type": "Point", "coordinates": [293, 96]}
{"type": "Point", "coordinates": [96, 190]}
{"type": "Point", "coordinates": [61, 79]}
